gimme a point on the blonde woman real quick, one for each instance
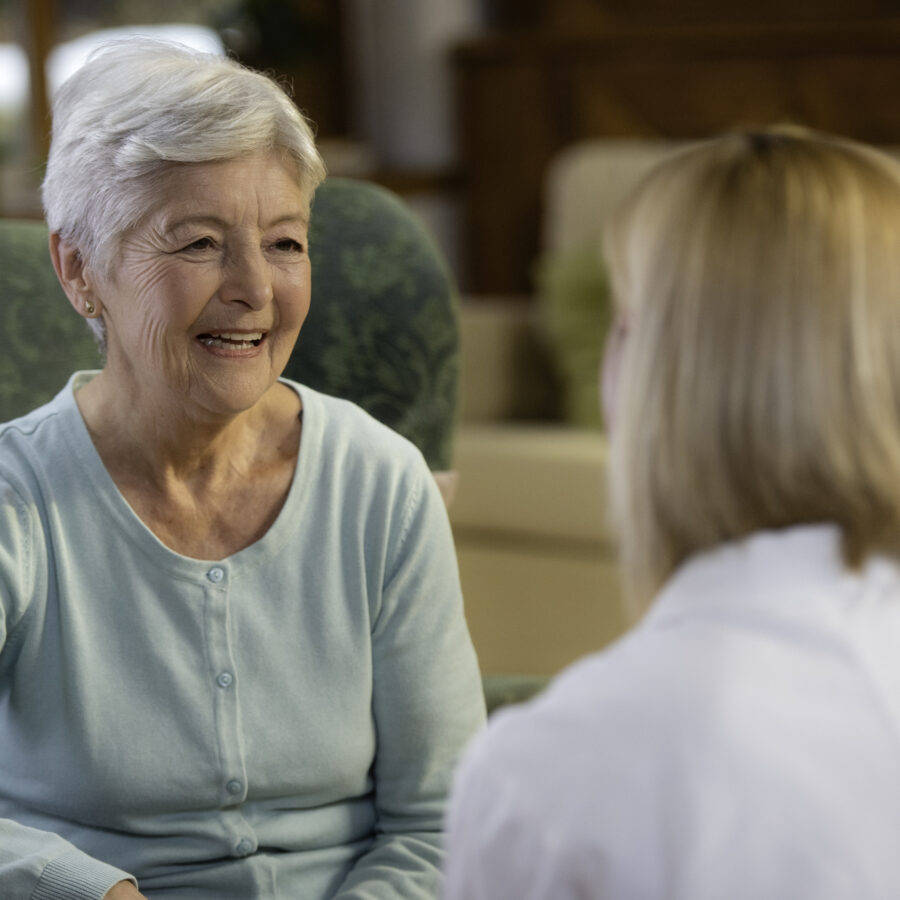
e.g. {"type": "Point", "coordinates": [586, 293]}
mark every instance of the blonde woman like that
{"type": "Point", "coordinates": [744, 739]}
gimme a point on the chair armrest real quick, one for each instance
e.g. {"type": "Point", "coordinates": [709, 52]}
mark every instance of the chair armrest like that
{"type": "Point", "coordinates": [503, 690]}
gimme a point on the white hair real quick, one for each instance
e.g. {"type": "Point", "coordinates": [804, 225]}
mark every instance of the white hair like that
{"type": "Point", "coordinates": [136, 107]}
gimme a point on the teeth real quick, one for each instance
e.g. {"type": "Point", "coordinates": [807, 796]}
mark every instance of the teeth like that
{"type": "Point", "coordinates": [236, 336]}
{"type": "Point", "coordinates": [234, 345]}
{"type": "Point", "coordinates": [232, 339]}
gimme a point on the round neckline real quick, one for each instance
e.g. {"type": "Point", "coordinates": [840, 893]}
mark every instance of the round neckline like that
{"type": "Point", "coordinates": [131, 524]}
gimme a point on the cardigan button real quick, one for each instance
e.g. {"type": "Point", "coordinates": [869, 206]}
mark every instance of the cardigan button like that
{"type": "Point", "coordinates": [216, 574]}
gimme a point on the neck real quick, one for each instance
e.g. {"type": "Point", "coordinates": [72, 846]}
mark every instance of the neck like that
{"type": "Point", "coordinates": [163, 444]}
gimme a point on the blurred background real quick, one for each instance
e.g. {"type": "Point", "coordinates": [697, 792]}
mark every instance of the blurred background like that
{"type": "Point", "coordinates": [512, 128]}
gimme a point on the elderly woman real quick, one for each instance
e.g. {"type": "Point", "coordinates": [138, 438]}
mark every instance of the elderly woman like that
{"type": "Point", "coordinates": [234, 660]}
{"type": "Point", "coordinates": [742, 741]}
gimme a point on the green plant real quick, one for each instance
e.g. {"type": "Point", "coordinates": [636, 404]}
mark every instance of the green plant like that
{"type": "Point", "coordinates": [574, 314]}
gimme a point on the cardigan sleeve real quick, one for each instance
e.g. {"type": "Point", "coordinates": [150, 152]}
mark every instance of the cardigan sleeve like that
{"type": "Point", "coordinates": [427, 704]}
{"type": "Point", "coordinates": [34, 864]}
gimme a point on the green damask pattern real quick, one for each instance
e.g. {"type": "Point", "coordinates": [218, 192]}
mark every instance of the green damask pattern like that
{"type": "Point", "coordinates": [382, 330]}
{"type": "Point", "coordinates": [42, 339]}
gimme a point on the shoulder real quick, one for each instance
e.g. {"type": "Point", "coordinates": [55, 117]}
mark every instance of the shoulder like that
{"type": "Point", "coordinates": [23, 442]}
{"type": "Point", "coordinates": [374, 479]}
{"type": "Point", "coordinates": [35, 455]}
{"type": "Point", "coordinates": [365, 460]}
{"type": "Point", "coordinates": [620, 732]}
{"type": "Point", "coordinates": [24, 428]}
{"type": "Point", "coordinates": [22, 544]}
{"type": "Point", "coordinates": [349, 427]}
{"type": "Point", "coordinates": [582, 727]}
{"type": "Point", "coordinates": [545, 794]}
{"type": "Point", "coordinates": [576, 787]}
{"type": "Point", "coordinates": [29, 445]}
{"type": "Point", "coordinates": [682, 706]}
{"type": "Point", "coordinates": [37, 433]}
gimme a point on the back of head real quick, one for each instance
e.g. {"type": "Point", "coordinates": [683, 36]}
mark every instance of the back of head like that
{"type": "Point", "coordinates": [759, 274]}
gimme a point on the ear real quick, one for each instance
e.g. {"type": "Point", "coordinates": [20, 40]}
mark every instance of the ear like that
{"type": "Point", "coordinates": [74, 276]}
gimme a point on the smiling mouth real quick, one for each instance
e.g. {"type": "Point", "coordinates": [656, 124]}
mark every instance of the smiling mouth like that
{"type": "Point", "coordinates": [231, 340]}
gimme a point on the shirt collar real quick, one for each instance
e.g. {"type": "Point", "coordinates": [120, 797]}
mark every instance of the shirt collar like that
{"type": "Point", "coordinates": [785, 574]}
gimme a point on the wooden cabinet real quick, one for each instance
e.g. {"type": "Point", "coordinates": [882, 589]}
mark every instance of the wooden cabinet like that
{"type": "Point", "coordinates": [523, 96]}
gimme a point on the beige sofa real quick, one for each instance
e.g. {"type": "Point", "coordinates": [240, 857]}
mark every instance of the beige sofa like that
{"type": "Point", "coordinates": [536, 554]}
{"type": "Point", "coordinates": [535, 551]}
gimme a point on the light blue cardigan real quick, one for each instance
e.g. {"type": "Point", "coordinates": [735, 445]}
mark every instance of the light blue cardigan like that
{"type": "Point", "coordinates": [282, 723]}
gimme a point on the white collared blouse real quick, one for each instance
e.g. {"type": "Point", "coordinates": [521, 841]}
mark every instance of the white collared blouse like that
{"type": "Point", "coordinates": [741, 742]}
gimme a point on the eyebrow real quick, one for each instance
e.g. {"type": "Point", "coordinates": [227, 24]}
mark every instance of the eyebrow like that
{"type": "Point", "coordinates": [221, 223]}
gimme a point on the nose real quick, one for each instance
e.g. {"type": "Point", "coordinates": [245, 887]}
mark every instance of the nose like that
{"type": "Point", "coordinates": [247, 278]}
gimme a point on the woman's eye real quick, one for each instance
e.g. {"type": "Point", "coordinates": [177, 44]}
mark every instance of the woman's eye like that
{"type": "Point", "coordinates": [204, 243]}
{"type": "Point", "coordinates": [289, 245]}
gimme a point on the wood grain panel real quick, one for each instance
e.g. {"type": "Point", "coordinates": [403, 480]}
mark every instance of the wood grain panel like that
{"type": "Point", "coordinates": [523, 97]}
{"type": "Point", "coordinates": [510, 125]}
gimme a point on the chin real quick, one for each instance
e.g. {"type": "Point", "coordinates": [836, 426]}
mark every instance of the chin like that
{"type": "Point", "coordinates": [240, 395]}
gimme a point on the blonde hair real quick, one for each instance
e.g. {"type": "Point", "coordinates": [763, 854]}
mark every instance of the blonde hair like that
{"type": "Point", "coordinates": [759, 276]}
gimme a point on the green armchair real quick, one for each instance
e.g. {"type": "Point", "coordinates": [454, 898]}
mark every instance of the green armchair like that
{"type": "Point", "coordinates": [382, 329]}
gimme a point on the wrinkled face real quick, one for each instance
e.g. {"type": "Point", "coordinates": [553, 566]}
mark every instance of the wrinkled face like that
{"type": "Point", "coordinates": [208, 294]}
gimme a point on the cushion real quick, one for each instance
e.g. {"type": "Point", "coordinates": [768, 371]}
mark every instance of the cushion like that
{"type": "Point", "coordinates": [382, 329]}
{"type": "Point", "coordinates": [43, 339]}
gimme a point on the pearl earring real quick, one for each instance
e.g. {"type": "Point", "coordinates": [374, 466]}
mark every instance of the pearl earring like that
{"type": "Point", "coordinates": [89, 307]}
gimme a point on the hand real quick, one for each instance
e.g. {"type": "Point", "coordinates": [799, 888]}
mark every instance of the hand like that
{"type": "Point", "coordinates": [123, 890]}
